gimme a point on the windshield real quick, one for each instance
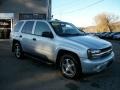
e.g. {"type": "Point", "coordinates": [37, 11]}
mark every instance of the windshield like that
{"type": "Point", "coordinates": [66, 29]}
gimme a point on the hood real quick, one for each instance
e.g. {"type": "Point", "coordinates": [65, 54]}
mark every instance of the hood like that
{"type": "Point", "coordinates": [90, 42]}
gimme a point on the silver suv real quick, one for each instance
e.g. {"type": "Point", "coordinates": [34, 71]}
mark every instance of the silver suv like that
{"type": "Point", "coordinates": [71, 49]}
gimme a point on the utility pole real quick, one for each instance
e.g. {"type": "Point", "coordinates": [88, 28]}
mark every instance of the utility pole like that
{"type": "Point", "coordinates": [49, 10]}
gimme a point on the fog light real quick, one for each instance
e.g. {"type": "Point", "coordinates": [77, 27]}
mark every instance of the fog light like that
{"type": "Point", "coordinates": [97, 69]}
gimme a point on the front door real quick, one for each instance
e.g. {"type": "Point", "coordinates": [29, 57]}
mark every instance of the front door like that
{"type": "Point", "coordinates": [43, 45]}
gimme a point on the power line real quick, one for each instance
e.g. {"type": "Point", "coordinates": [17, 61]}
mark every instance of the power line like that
{"type": "Point", "coordinates": [66, 5]}
{"type": "Point", "coordinates": [90, 5]}
{"type": "Point", "coordinates": [81, 9]}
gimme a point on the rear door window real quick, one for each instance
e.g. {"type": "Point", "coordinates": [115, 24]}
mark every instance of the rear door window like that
{"type": "Point", "coordinates": [28, 26]}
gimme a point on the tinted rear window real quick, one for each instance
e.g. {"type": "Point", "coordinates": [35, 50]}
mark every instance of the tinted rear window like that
{"type": "Point", "coordinates": [18, 26]}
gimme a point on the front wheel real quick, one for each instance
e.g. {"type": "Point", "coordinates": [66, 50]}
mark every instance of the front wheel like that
{"type": "Point", "coordinates": [70, 67]}
{"type": "Point", "coordinates": [18, 51]}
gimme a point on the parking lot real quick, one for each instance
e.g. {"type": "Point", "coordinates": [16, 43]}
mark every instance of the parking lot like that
{"type": "Point", "coordinates": [30, 74]}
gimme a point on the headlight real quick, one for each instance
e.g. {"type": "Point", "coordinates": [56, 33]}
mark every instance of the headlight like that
{"type": "Point", "coordinates": [93, 53]}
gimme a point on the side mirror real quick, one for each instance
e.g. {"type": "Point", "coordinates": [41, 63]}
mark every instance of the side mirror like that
{"type": "Point", "coordinates": [47, 34]}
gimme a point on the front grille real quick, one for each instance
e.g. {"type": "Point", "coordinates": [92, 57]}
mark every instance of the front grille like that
{"type": "Point", "coordinates": [106, 51]}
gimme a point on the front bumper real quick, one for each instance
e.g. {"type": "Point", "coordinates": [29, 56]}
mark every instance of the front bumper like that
{"type": "Point", "coordinates": [97, 65]}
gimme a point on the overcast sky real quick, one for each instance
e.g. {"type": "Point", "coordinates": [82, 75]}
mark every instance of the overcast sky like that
{"type": "Point", "coordinates": [82, 12]}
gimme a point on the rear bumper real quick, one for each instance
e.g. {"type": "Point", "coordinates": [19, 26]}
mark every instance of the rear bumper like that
{"type": "Point", "coordinates": [97, 65]}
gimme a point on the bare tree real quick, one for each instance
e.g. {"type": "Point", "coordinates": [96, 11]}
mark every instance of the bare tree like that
{"type": "Point", "coordinates": [105, 22]}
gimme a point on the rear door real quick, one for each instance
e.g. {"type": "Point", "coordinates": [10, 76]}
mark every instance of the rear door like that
{"type": "Point", "coordinates": [27, 37]}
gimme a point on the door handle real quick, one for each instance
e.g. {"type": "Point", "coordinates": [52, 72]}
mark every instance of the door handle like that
{"type": "Point", "coordinates": [20, 36]}
{"type": "Point", "coordinates": [34, 39]}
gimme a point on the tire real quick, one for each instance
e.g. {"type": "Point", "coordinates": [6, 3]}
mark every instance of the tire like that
{"type": "Point", "coordinates": [70, 66]}
{"type": "Point", "coordinates": [18, 51]}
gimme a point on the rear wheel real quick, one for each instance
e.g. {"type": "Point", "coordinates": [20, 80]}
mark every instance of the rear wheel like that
{"type": "Point", "coordinates": [18, 50]}
{"type": "Point", "coordinates": [70, 67]}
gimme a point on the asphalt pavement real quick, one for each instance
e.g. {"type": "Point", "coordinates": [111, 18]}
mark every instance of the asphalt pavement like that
{"type": "Point", "coordinates": [30, 74]}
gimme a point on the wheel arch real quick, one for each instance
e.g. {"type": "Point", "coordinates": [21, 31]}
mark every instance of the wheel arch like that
{"type": "Point", "coordinates": [13, 43]}
{"type": "Point", "coordinates": [62, 52]}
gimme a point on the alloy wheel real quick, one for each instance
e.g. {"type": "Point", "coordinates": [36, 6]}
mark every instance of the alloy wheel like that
{"type": "Point", "coordinates": [68, 67]}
